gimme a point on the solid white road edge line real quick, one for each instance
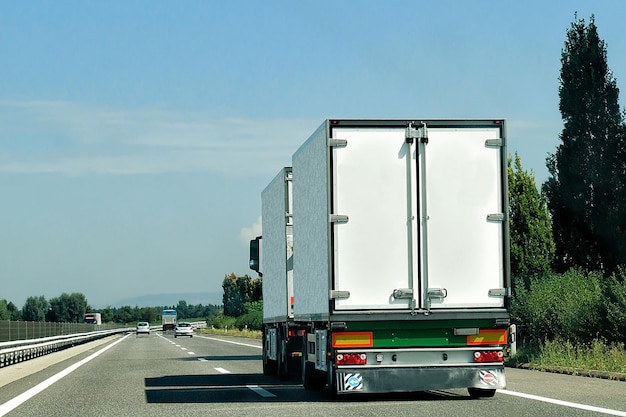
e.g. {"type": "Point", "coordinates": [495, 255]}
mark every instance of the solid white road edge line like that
{"type": "Point", "coordinates": [229, 341]}
{"type": "Point", "coordinates": [263, 393]}
{"type": "Point", "coordinates": [25, 396]}
{"type": "Point", "coordinates": [564, 403]}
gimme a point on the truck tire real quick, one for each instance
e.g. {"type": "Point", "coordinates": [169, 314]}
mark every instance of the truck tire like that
{"type": "Point", "coordinates": [282, 361]}
{"type": "Point", "coordinates": [269, 366]}
{"type": "Point", "coordinates": [311, 379]}
{"type": "Point", "coordinates": [266, 368]}
{"type": "Point", "coordinates": [332, 380]}
{"type": "Point", "coordinates": [481, 393]}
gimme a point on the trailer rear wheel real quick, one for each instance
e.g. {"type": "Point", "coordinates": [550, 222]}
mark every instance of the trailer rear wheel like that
{"type": "Point", "coordinates": [311, 379]}
{"type": "Point", "coordinates": [481, 393]}
{"type": "Point", "coordinates": [332, 380]}
{"type": "Point", "coordinates": [269, 366]}
{"type": "Point", "coordinates": [282, 363]}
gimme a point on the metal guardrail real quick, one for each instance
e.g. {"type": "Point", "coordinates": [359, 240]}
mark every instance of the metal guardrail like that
{"type": "Point", "coordinates": [16, 351]}
{"type": "Point", "coordinates": [24, 330]}
{"type": "Point", "coordinates": [19, 350]}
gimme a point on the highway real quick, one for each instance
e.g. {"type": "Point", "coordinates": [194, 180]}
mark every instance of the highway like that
{"type": "Point", "coordinates": [159, 375]}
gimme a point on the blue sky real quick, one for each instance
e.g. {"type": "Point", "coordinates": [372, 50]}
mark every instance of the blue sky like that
{"type": "Point", "coordinates": [137, 136]}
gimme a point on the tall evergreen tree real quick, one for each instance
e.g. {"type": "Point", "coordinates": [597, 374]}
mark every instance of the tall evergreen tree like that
{"type": "Point", "coordinates": [586, 190]}
{"type": "Point", "coordinates": [532, 246]}
{"type": "Point", "coordinates": [233, 297]}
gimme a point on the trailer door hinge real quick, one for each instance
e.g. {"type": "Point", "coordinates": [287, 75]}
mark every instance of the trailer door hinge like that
{"type": "Point", "coordinates": [338, 218]}
{"type": "Point", "coordinates": [339, 295]}
{"type": "Point", "coordinates": [494, 143]}
{"type": "Point", "coordinates": [337, 143]}
{"type": "Point", "coordinates": [496, 217]}
{"type": "Point", "coordinates": [498, 292]}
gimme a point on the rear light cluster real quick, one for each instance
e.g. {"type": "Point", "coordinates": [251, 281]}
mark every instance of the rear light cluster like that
{"type": "Point", "coordinates": [488, 356]}
{"type": "Point", "coordinates": [351, 359]}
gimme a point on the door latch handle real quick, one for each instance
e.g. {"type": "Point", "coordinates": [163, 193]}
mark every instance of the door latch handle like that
{"type": "Point", "coordinates": [401, 293]}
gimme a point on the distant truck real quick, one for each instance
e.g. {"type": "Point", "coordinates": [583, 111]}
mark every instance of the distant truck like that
{"type": "Point", "coordinates": [168, 319]}
{"type": "Point", "coordinates": [93, 318]}
{"type": "Point", "coordinates": [385, 258]}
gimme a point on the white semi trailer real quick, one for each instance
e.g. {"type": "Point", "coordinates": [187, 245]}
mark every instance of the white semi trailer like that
{"type": "Point", "coordinates": [282, 349]}
{"type": "Point", "coordinates": [385, 258]}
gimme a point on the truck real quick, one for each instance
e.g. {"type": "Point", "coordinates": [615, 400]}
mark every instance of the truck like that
{"type": "Point", "coordinates": [168, 319]}
{"type": "Point", "coordinates": [282, 348]}
{"type": "Point", "coordinates": [385, 258]}
{"type": "Point", "coordinates": [93, 318]}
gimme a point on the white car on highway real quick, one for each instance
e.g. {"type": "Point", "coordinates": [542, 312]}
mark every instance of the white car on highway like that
{"type": "Point", "coordinates": [183, 329]}
{"type": "Point", "coordinates": [143, 327]}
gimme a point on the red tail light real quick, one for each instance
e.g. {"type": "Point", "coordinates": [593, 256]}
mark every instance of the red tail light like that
{"type": "Point", "coordinates": [488, 356]}
{"type": "Point", "coordinates": [351, 359]}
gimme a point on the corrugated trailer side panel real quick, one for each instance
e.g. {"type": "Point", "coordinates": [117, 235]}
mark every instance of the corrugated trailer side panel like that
{"type": "Point", "coordinates": [274, 242]}
{"type": "Point", "coordinates": [311, 245]}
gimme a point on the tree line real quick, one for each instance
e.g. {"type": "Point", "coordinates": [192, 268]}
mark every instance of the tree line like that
{"type": "Point", "coordinates": [568, 241]}
{"type": "Point", "coordinates": [71, 308]}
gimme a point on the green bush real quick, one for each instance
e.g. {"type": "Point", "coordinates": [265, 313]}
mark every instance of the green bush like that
{"type": "Point", "coordinates": [221, 322]}
{"type": "Point", "coordinates": [250, 321]}
{"type": "Point", "coordinates": [570, 306]}
{"type": "Point", "coordinates": [616, 307]}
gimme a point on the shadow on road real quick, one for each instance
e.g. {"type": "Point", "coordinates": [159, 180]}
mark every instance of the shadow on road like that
{"type": "Point", "coordinates": [244, 388]}
{"type": "Point", "coordinates": [225, 358]}
{"type": "Point", "coordinates": [221, 380]}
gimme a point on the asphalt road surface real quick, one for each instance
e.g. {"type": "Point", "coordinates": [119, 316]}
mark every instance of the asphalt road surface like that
{"type": "Point", "coordinates": [159, 375]}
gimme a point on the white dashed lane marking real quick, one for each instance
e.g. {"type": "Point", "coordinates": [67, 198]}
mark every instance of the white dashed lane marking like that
{"type": "Point", "coordinates": [263, 393]}
{"type": "Point", "coordinates": [254, 388]}
{"type": "Point", "coordinates": [178, 346]}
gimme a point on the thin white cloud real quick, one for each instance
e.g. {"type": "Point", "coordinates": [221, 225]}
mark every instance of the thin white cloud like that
{"type": "Point", "coordinates": [249, 233]}
{"type": "Point", "coordinates": [73, 139]}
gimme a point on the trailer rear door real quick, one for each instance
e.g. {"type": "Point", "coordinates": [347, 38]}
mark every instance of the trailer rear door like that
{"type": "Point", "coordinates": [417, 224]}
{"type": "Point", "coordinates": [372, 180]}
{"type": "Point", "coordinates": [462, 226]}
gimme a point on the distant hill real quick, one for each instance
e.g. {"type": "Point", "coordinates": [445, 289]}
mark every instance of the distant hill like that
{"type": "Point", "coordinates": [153, 300]}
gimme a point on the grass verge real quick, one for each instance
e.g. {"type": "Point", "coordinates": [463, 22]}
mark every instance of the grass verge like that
{"type": "Point", "coordinates": [252, 334]}
{"type": "Point", "coordinates": [597, 359]}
